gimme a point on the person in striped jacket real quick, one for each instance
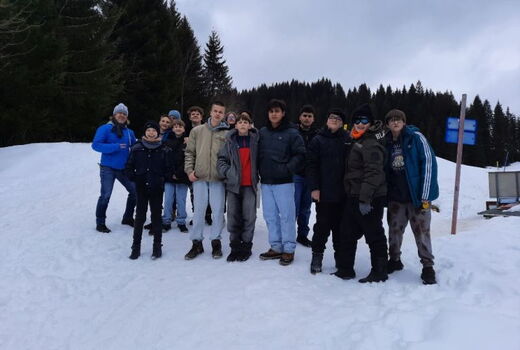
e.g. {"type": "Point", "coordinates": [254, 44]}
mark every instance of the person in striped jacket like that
{"type": "Point", "coordinates": [411, 172]}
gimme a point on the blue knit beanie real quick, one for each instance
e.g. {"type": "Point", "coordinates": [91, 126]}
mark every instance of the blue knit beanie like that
{"type": "Point", "coordinates": [174, 114]}
{"type": "Point", "coordinates": [121, 108]}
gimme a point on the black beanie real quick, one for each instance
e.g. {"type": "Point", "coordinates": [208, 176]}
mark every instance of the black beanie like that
{"type": "Point", "coordinates": [363, 111]}
{"type": "Point", "coordinates": [338, 112]}
{"type": "Point", "coordinates": [153, 125]}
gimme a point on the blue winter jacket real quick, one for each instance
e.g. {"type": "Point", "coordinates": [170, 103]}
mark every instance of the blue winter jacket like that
{"type": "Point", "coordinates": [107, 142]}
{"type": "Point", "coordinates": [420, 165]}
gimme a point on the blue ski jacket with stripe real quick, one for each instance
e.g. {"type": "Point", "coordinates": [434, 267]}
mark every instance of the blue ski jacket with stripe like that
{"type": "Point", "coordinates": [420, 165]}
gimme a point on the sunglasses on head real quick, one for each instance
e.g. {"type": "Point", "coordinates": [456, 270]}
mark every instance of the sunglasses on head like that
{"type": "Point", "coordinates": [362, 120]}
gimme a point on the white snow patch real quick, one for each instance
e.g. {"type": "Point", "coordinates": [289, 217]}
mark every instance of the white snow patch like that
{"type": "Point", "coordinates": [66, 286]}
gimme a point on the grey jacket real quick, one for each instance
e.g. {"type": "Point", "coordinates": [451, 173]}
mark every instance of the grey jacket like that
{"type": "Point", "coordinates": [228, 161]}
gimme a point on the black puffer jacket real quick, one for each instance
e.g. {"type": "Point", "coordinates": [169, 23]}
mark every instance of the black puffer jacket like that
{"type": "Point", "coordinates": [325, 164]}
{"type": "Point", "coordinates": [149, 164]}
{"type": "Point", "coordinates": [177, 146]}
{"type": "Point", "coordinates": [281, 153]}
{"type": "Point", "coordinates": [364, 174]}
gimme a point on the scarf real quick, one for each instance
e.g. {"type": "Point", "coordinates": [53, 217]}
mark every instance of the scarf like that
{"type": "Point", "coordinates": [356, 134]}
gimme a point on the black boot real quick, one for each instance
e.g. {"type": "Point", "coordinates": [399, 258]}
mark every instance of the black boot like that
{"type": "Point", "coordinates": [428, 275]}
{"type": "Point", "coordinates": [317, 259]}
{"type": "Point", "coordinates": [235, 250]}
{"type": "Point", "coordinates": [136, 252]}
{"type": "Point", "coordinates": [157, 244]}
{"type": "Point", "coordinates": [195, 250]}
{"type": "Point", "coordinates": [102, 228]}
{"type": "Point", "coordinates": [245, 251]}
{"type": "Point", "coordinates": [394, 266]}
{"type": "Point", "coordinates": [128, 221]}
{"type": "Point", "coordinates": [345, 274]}
{"type": "Point", "coordinates": [217, 249]}
{"type": "Point", "coordinates": [378, 273]}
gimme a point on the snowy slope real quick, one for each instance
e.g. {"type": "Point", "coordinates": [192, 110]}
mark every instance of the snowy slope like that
{"type": "Point", "coordinates": [66, 286]}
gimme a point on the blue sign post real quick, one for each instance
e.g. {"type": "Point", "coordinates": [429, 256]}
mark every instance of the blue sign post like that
{"type": "Point", "coordinates": [452, 131]}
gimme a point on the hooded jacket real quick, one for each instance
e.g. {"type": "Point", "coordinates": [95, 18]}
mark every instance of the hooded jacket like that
{"type": "Point", "coordinates": [202, 149]}
{"type": "Point", "coordinates": [228, 163]}
{"type": "Point", "coordinates": [325, 164]}
{"type": "Point", "coordinates": [420, 165]}
{"type": "Point", "coordinates": [281, 153]}
{"type": "Point", "coordinates": [108, 143]}
{"type": "Point", "coordinates": [364, 172]}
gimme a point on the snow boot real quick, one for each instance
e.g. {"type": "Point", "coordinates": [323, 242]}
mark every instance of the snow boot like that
{"type": "Point", "coordinates": [148, 226]}
{"type": "Point", "coordinates": [128, 221]}
{"type": "Point", "coordinates": [216, 246]}
{"type": "Point", "coordinates": [166, 227]}
{"type": "Point", "coordinates": [394, 266]}
{"type": "Point", "coordinates": [286, 259]}
{"type": "Point", "coordinates": [157, 251]}
{"type": "Point", "coordinates": [345, 274]}
{"type": "Point", "coordinates": [378, 273]}
{"type": "Point", "coordinates": [136, 252]}
{"type": "Point", "coordinates": [102, 228]}
{"type": "Point", "coordinates": [304, 241]}
{"type": "Point", "coordinates": [235, 250]}
{"type": "Point", "coordinates": [270, 255]}
{"type": "Point", "coordinates": [317, 259]}
{"type": "Point", "coordinates": [245, 251]}
{"type": "Point", "coordinates": [182, 228]}
{"type": "Point", "coordinates": [195, 250]}
{"type": "Point", "coordinates": [428, 275]}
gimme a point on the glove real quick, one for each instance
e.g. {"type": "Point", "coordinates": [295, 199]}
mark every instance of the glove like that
{"type": "Point", "coordinates": [364, 208]}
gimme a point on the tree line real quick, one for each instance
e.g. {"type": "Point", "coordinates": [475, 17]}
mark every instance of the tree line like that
{"type": "Point", "coordinates": [64, 64]}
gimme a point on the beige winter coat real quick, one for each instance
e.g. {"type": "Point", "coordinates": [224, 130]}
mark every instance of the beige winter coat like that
{"type": "Point", "coordinates": [202, 149]}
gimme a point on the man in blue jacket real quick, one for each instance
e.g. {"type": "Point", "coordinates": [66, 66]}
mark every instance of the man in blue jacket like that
{"type": "Point", "coordinates": [113, 140]}
{"type": "Point", "coordinates": [411, 173]}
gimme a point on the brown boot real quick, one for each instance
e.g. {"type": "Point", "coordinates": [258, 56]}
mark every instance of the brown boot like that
{"type": "Point", "coordinates": [270, 255]}
{"type": "Point", "coordinates": [286, 259]}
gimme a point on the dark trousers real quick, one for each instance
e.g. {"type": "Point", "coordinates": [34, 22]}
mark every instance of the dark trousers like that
{"type": "Point", "coordinates": [354, 226]}
{"type": "Point", "coordinates": [241, 215]}
{"type": "Point", "coordinates": [328, 218]}
{"type": "Point", "coordinates": [153, 197]}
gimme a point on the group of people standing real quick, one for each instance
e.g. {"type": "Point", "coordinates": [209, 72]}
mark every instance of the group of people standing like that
{"type": "Point", "coordinates": [350, 175]}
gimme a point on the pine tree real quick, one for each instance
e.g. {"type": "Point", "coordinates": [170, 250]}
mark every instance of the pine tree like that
{"type": "Point", "coordinates": [145, 43]}
{"type": "Point", "coordinates": [190, 67]}
{"type": "Point", "coordinates": [217, 81]}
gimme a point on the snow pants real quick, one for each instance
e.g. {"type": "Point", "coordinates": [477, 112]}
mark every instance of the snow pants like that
{"type": "Point", "coordinates": [354, 225]}
{"type": "Point", "coordinates": [328, 218]}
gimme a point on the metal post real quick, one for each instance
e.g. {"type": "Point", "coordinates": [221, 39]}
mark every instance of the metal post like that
{"type": "Point", "coordinates": [459, 161]}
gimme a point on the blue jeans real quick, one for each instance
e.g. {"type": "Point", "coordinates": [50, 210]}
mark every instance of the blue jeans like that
{"type": "Point", "coordinates": [214, 193]}
{"type": "Point", "coordinates": [174, 192]}
{"type": "Point", "coordinates": [108, 177]}
{"type": "Point", "coordinates": [303, 201]}
{"type": "Point", "coordinates": [279, 215]}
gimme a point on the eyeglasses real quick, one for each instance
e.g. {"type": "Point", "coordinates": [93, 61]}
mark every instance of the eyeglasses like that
{"type": "Point", "coordinates": [335, 117]}
{"type": "Point", "coordinates": [362, 120]}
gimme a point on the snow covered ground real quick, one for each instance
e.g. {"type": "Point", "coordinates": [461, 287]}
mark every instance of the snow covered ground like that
{"type": "Point", "coordinates": [66, 286]}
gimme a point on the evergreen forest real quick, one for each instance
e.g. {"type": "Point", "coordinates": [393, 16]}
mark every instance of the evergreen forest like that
{"type": "Point", "coordinates": [64, 64]}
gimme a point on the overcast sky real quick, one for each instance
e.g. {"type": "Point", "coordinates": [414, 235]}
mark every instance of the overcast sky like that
{"type": "Point", "coordinates": [464, 46]}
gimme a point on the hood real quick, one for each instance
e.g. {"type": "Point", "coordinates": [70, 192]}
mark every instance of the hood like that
{"type": "Point", "coordinates": [223, 125]}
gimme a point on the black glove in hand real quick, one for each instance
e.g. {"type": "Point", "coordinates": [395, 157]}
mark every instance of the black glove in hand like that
{"type": "Point", "coordinates": [364, 208]}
